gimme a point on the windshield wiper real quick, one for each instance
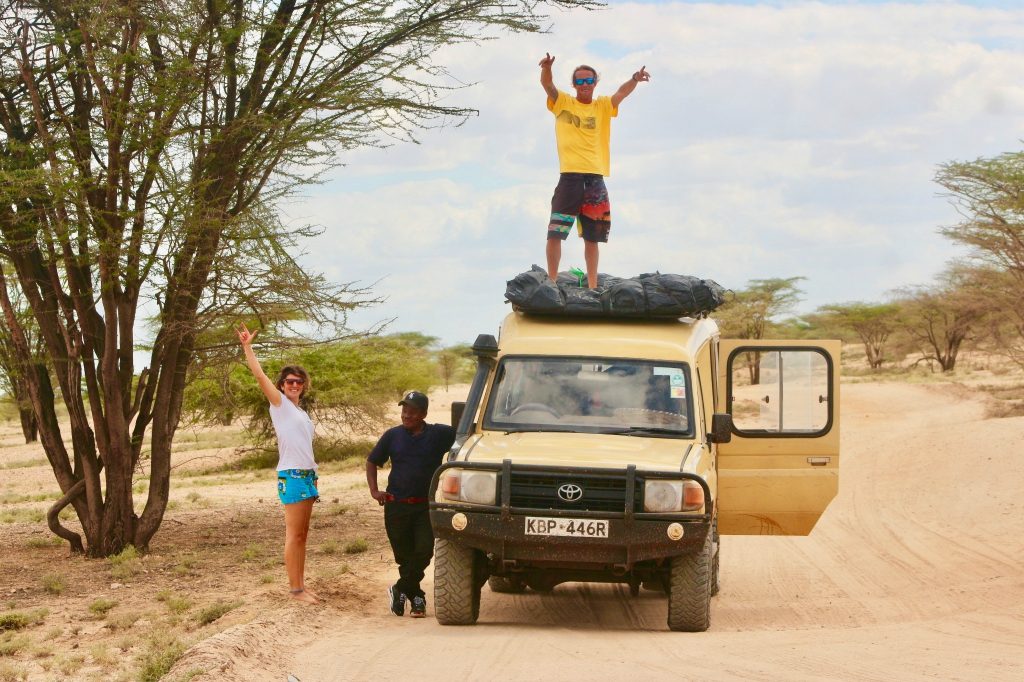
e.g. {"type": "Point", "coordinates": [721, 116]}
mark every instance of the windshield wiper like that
{"type": "Point", "coordinates": [645, 431]}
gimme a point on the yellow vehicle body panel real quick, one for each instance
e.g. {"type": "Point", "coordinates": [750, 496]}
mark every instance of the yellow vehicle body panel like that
{"type": "Point", "coordinates": [776, 483]}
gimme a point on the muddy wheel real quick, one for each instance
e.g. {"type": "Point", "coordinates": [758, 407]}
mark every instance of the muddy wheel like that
{"type": "Point", "coordinates": [456, 589]}
{"type": "Point", "coordinates": [689, 593]}
{"type": "Point", "coordinates": [505, 585]}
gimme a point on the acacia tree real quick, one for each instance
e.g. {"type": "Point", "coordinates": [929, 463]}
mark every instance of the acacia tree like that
{"type": "Point", "coordinates": [750, 314]}
{"type": "Point", "coordinates": [873, 323]}
{"type": "Point", "coordinates": [144, 145]}
{"type": "Point", "coordinates": [940, 318]}
{"type": "Point", "coordinates": [989, 195]}
{"type": "Point", "coordinates": [12, 379]}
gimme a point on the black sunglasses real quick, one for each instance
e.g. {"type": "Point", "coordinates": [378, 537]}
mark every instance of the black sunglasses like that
{"type": "Point", "coordinates": [585, 81]}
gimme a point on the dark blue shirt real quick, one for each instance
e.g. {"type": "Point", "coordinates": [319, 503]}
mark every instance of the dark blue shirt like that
{"type": "Point", "coordinates": [414, 458]}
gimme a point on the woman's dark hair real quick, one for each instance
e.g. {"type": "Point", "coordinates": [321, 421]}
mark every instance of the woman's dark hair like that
{"type": "Point", "coordinates": [293, 370]}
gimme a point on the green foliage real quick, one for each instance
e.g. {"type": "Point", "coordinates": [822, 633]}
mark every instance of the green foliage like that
{"type": "Point", "coordinates": [871, 323]}
{"type": "Point", "coordinates": [53, 583]}
{"type": "Point", "coordinates": [125, 564]}
{"type": "Point", "coordinates": [101, 606]}
{"type": "Point", "coordinates": [173, 602]}
{"type": "Point", "coordinates": [989, 195]}
{"type": "Point", "coordinates": [215, 611]}
{"type": "Point", "coordinates": [162, 652]}
{"type": "Point", "coordinates": [11, 643]}
{"type": "Point", "coordinates": [753, 312]}
{"type": "Point", "coordinates": [13, 621]}
{"type": "Point", "coordinates": [357, 546]}
{"type": "Point", "coordinates": [353, 383]}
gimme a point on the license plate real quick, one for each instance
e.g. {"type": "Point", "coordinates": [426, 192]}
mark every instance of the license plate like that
{"type": "Point", "coordinates": [573, 528]}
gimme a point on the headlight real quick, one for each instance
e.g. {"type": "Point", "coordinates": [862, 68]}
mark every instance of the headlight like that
{"type": "Point", "coordinates": [672, 496]}
{"type": "Point", "coordinates": [663, 496]}
{"type": "Point", "coordinates": [462, 485]}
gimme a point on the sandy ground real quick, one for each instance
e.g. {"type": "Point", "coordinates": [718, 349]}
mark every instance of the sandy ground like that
{"type": "Point", "coordinates": [913, 573]}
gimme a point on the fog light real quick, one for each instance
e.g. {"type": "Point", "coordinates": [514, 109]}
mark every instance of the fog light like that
{"type": "Point", "coordinates": [459, 522]}
{"type": "Point", "coordinates": [675, 531]}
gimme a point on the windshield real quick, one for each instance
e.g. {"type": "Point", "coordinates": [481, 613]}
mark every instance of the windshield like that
{"type": "Point", "coordinates": [631, 397]}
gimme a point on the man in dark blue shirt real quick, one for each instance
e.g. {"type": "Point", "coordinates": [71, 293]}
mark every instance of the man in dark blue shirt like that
{"type": "Point", "coordinates": [415, 449]}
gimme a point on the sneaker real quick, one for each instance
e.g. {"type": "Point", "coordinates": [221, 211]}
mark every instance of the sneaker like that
{"type": "Point", "coordinates": [397, 600]}
{"type": "Point", "coordinates": [419, 607]}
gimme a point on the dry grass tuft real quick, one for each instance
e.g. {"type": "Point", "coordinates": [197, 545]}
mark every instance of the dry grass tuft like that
{"type": "Point", "coordinates": [215, 611]}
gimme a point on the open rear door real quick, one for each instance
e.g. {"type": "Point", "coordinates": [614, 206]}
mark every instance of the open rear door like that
{"type": "Point", "coordinates": [781, 469]}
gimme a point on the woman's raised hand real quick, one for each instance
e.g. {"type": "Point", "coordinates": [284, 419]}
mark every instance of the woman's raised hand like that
{"type": "Point", "coordinates": [244, 335]}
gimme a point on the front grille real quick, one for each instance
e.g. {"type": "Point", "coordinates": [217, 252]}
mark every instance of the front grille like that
{"type": "Point", "coordinates": [601, 492]}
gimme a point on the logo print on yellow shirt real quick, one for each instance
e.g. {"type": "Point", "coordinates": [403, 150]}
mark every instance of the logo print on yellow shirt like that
{"type": "Point", "coordinates": [588, 123]}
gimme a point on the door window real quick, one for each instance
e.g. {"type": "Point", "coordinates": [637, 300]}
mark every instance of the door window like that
{"type": "Point", "coordinates": [780, 390]}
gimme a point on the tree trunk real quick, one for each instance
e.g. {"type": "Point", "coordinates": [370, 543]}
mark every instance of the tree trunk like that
{"type": "Point", "coordinates": [29, 425]}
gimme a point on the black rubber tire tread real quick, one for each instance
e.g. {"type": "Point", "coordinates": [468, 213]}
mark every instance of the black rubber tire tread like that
{"type": "Point", "coordinates": [715, 586]}
{"type": "Point", "coordinates": [689, 596]}
{"type": "Point", "coordinates": [456, 594]}
{"type": "Point", "coordinates": [714, 572]}
{"type": "Point", "coordinates": [503, 585]}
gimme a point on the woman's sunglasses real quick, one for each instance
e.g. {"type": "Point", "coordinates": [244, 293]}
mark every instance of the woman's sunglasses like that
{"type": "Point", "coordinates": [585, 81]}
{"type": "Point", "coordinates": [294, 382]}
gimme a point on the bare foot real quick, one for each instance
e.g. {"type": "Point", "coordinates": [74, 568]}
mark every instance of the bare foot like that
{"type": "Point", "coordinates": [312, 593]}
{"type": "Point", "coordinates": [304, 596]}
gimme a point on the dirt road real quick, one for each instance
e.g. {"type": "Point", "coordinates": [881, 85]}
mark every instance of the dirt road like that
{"type": "Point", "coordinates": [915, 572]}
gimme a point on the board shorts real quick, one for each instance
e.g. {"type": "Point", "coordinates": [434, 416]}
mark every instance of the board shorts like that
{"type": "Point", "coordinates": [297, 485]}
{"type": "Point", "coordinates": [580, 198]}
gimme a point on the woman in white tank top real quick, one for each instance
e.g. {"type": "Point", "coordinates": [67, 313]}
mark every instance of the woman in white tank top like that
{"type": "Point", "coordinates": [296, 468]}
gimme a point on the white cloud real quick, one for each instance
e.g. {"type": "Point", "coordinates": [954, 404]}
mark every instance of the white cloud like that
{"type": "Point", "coordinates": [773, 141]}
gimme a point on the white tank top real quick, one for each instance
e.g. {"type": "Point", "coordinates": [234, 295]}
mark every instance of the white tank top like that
{"type": "Point", "coordinates": [294, 430]}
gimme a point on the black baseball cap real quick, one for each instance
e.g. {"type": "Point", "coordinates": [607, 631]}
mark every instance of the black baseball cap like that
{"type": "Point", "coordinates": [416, 399]}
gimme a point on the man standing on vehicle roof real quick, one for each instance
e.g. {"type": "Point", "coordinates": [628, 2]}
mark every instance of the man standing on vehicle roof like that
{"type": "Point", "coordinates": [415, 449]}
{"type": "Point", "coordinates": [583, 133]}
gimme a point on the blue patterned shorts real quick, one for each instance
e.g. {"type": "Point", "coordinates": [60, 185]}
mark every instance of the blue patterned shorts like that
{"type": "Point", "coordinates": [296, 485]}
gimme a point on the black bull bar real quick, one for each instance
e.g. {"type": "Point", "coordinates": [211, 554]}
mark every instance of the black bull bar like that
{"type": "Point", "coordinates": [633, 536]}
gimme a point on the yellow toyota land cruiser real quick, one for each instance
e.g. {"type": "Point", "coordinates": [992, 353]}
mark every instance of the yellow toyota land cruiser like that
{"type": "Point", "coordinates": [618, 450]}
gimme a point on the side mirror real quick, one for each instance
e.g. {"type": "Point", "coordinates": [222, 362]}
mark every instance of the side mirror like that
{"type": "Point", "coordinates": [457, 409]}
{"type": "Point", "coordinates": [721, 428]}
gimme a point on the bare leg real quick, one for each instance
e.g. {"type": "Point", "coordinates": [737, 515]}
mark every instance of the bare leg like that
{"type": "Point", "coordinates": [554, 253]}
{"type": "Point", "coordinates": [590, 254]}
{"type": "Point", "coordinates": [296, 528]}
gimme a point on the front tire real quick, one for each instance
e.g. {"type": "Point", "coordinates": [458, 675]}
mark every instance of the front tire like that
{"type": "Point", "coordinates": [456, 589]}
{"type": "Point", "coordinates": [689, 593]}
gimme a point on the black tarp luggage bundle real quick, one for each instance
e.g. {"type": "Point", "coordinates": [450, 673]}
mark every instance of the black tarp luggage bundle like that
{"type": "Point", "coordinates": [645, 296]}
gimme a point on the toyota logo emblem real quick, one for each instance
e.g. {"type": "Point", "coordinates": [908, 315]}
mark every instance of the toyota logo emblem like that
{"type": "Point", "coordinates": [570, 492]}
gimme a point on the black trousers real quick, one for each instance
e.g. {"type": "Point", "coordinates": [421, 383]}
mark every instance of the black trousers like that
{"type": "Point", "coordinates": [412, 541]}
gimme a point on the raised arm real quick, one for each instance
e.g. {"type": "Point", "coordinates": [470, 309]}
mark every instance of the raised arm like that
{"type": "Point", "coordinates": [546, 81]}
{"type": "Point", "coordinates": [627, 88]}
{"type": "Point", "coordinates": [266, 385]}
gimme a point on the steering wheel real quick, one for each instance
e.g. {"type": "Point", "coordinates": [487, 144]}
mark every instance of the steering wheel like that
{"type": "Point", "coordinates": [536, 407]}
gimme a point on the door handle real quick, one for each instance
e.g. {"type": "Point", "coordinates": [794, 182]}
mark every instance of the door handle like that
{"type": "Point", "coordinates": [818, 461]}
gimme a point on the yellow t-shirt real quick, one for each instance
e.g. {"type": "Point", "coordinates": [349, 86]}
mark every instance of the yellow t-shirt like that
{"type": "Point", "coordinates": [583, 133]}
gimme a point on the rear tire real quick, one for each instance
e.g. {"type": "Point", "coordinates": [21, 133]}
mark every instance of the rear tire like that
{"type": "Point", "coordinates": [456, 589]}
{"type": "Point", "coordinates": [689, 594]}
{"type": "Point", "coordinates": [503, 585]}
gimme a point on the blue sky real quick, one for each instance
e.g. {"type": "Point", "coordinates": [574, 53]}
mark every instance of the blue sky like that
{"type": "Point", "coordinates": [774, 140]}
